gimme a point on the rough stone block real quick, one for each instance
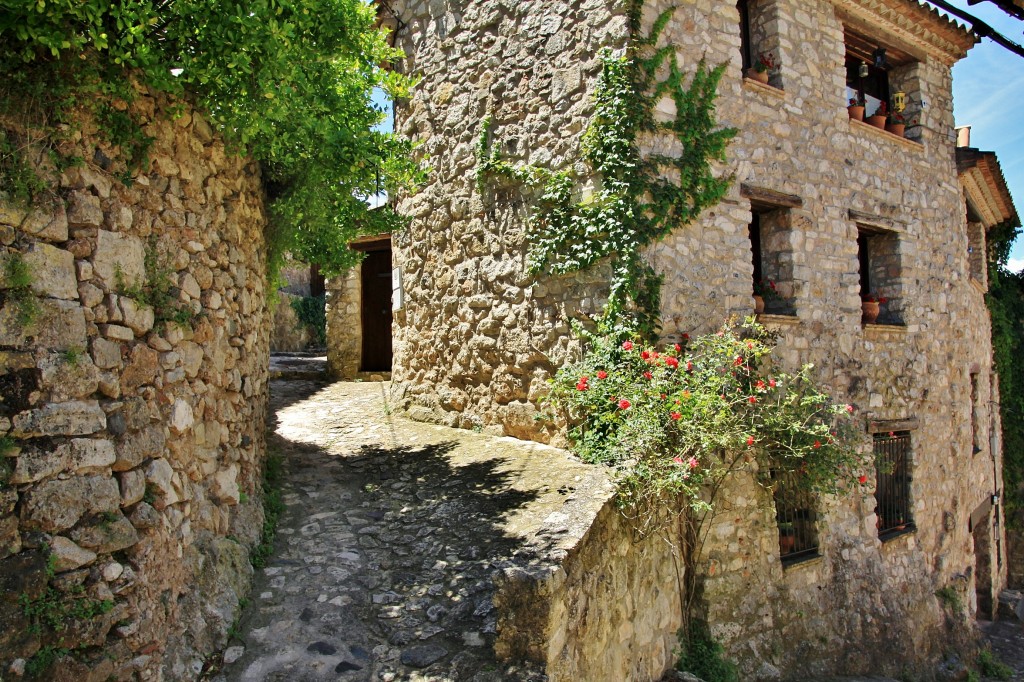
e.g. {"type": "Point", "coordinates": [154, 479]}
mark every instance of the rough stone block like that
{"type": "Point", "coordinates": [118, 253]}
{"type": "Point", "coordinates": [91, 453]}
{"type": "Point", "coordinates": [159, 473]}
{"type": "Point", "coordinates": [117, 332]}
{"type": "Point", "coordinates": [84, 210]}
{"type": "Point", "coordinates": [143, 368]}
{"type": "Point", "coordinates": [49, 223]}
{"type": "Point", "coordinates": [181, 416]}
{"type": "Point", "coordinates": [52, 271]}
{"type": "Point", "coordinates": [106, 536]}
{"type": "Point", "coordinates": [225, 485]}
{"type": "Point", "coordinates": [68, 376]}
{"type": "Point", "coordinates": [106, 354]}
{"type": "Point", "coordinates": [69, 555]}
{"type": "Point", "coordinates": [74, 418]}
{"type": "Point", "coordinates": [133, 486]}
{"type": "Point", "coordinates": [58, 325]}
{"type": "Point", "coordinates": [53, 506]}
{"type": "Point", "coordinates": [134, 448]}
{"type": "Point", "coordinates": [35, 464]}
{"type": "Point", "coordinates": [136, 315]}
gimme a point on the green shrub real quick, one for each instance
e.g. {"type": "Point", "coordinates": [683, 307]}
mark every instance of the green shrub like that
{"type": "Point", "coordinates": [312, 312]}
{"type": "Point", "coordinates": [991, 666]}
{"type": "Point", "coordinates": [701, 655]}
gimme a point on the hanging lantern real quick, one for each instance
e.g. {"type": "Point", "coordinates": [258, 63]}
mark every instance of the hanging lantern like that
{"type": "Point", "coordinates": [899, 101]}
{"type": "Point", "coordinates": [863, 70]}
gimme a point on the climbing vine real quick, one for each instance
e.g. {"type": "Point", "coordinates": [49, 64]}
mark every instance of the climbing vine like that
{"type": "Point", "coordinates": [639, 198]}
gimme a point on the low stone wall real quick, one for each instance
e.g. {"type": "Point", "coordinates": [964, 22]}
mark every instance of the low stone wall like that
{"type": "Point", "coordinates": [344, 325]}
{"type": "Point", "coordinates": [132, 444]}
{"type": "Point", "coordinates": [608, 610]}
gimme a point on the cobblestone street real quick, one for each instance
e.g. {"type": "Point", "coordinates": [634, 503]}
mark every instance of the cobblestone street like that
{"type": "Point", "coordinates": [383, 559]}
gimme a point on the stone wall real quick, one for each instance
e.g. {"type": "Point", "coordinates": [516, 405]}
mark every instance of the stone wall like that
{"type": "Point", "coordinates": [288, 332]}
{"type": "Point", "coordinates": [478, 335]}
{"type": "Point", "coordinates": [344, 325]}
{"type": "Point", "coordinates": [127, 503]}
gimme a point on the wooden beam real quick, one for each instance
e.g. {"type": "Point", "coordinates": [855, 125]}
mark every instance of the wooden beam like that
{"type": "Point", "coordinates": [876, 221]}
{"type": "Point", "coordinates": [887, 425]}
{"type": "Point", "coordinates": [762, 197]}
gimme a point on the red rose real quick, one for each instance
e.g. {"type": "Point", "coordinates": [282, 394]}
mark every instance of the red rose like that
{"type": "Point", "coordinates": [738, 361]}
{"type": "Point", "coordinates": [750, 440]}
{"type": "Point", "coordinates": [601, 374]}
{"type": "Point", "coordinates": [676, 416]}
{"type": "Point", "coordinates": [624, 404]}
{"type": "Point", "coordinates": [863, 479]}
{"type": "Point", "coordinates": [644, 355]}
{"type": "Point", "coordinates": [849, 408]}
{"type": "Point", "coordinates": [817, 444]}
{"type": "Point", "coordinates": [671, 362]}
{"type": "Point", "coordinates": [648, 375]}
{"type": "Point", "coordinates": [627, 345]}
{"type": "Point", "coordinates": [678, 348]}
{"type": "Point", "coordinates": [751, 400]}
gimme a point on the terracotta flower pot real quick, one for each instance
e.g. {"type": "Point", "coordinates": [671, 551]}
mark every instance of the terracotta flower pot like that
{"type": "Point", "coordinates": [869, 310]}
{"type": "Point", "coordinates": [758, 304]}
{"type": "Point", "coordinates": [877, 121]}
{"type": "Point", "coordinates": [856, 112]}
{"type": "Point", "coordinates": [786, 543]}
{"type": "Point", "coordinates": [760, 76]}
{"type": "Point", "coordinates": [896, 128]}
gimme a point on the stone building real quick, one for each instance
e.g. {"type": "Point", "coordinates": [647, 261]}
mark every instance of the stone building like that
{"type": "Point", "coordinates": [831, 209]}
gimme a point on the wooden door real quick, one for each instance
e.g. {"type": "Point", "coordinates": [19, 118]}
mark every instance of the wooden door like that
{"type": "Point", "coordinates": [376, 309]}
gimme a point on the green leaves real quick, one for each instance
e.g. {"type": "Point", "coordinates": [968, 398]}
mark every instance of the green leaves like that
{"type": "Point", "coordinates": [678, 420]}
{"type": "Point", "coordinates": [287, 81]}
{"type": "Point", "coordinates": [637, 204]}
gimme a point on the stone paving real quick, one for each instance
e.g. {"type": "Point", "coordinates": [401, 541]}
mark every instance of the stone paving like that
{"type": "Point", "coordinates": [383, 560]}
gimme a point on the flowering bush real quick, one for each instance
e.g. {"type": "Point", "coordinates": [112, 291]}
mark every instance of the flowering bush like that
{"type": "Point", "coordinates": [766, 62]}
{"type": "Point", "coordinates": [678, 419]}
{"type": "Point", "coordinates": [765, 288]}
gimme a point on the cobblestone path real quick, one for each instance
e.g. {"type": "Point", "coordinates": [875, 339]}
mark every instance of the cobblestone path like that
{"type": "Point", "coordinates": [384, 554]}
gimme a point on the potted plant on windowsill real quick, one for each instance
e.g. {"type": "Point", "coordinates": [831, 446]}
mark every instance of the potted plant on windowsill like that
{"type": "Point", "coordinates": [764, 290]}
{"type": "Point", "coordinates": [896, 124]}
{"type": "Point", "coordinates": [787, 537]}
{"type": "Point", "coordinates": [870, 306]}
{"type": "Point", "coordinates": [856, 108]}
{"type": "Point", "coordinates": [880, 116]}
{"type": "Point", "coordinates": [759, 71]}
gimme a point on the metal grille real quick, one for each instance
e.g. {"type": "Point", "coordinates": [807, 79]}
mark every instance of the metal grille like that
{"type": "Point", "coordinates": [892, 489]}
{"type": "Point", "coordinates": [794, 512]}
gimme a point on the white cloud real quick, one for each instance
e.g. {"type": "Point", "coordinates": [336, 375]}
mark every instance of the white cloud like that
{"type": "Point", "coordinates": [1015, 264]}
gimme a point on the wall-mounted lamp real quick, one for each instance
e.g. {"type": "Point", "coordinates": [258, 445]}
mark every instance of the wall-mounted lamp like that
{"type": "Point", "coordinates": [899, 101]}
{"type": "Point", "coordinates": [879, 55]}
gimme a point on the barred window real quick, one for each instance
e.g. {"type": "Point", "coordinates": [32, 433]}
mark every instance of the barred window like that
{"type": "Point", "coordinates": [796, 518]}
{"type": "Point", "coordinates": [892, 487]}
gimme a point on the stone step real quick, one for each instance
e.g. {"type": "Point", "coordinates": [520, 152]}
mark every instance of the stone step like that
{"type": "Point", "coordinates": [1011, 605]}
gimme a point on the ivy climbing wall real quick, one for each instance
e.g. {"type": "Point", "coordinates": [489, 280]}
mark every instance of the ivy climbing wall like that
{"type": "Point", "coordinates": [133, 376]}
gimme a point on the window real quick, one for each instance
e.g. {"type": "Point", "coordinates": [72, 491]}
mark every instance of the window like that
{"type": "Point", "coordinates": [878, 257]}
{"type": "Point", "coordinates": [775, 261]}
{"type": "Point", "coordinates": [976, 438]}
{"type": "Point", "coordinates": [759, 34]}
{"type": "Point", "coordinates": [876, 71]}
{"type": "Point", "coordinates": [892, 483]}
{"type": "Point", "coordinates": [976, 247]}
{"type": "Point", "coordinates": [795, 516]}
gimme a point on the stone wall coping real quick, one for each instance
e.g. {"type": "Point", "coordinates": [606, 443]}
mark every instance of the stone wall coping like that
{"type": "Point", "coordinates": [758, 86]}
{"type": "Point", "coordinates": [869, 129]}
{"type": "Point", "coordinates": [781, 320]}
{"type": "Point", "coordinates": [884, 330]}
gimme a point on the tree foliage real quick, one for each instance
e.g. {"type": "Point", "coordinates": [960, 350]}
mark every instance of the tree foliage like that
{"type": "Point", "coordinates": [1006, 305]}
{"type": "Point", "coordinates": [287, 81]}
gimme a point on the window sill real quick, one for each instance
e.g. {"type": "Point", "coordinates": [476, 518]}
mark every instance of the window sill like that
{"type": "Point", "coordinates": [802, 560]}
{"type": "Point", "coordinates": [890, 535]}
{"type": "Point", "coordinates": [775, 318]}
{"type": "Point", "coordinates": [758, 86]}
{"type": "Point", "coordinates": [884, 329]}
{"type": "Point", "coordinates": [869, 129]}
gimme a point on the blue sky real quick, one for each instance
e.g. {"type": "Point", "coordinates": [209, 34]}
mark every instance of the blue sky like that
{"type": "Point", "coordinates": [988, 95]}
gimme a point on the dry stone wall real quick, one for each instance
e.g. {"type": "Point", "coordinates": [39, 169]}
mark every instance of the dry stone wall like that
{"type": "Point", "coordinates": [133, 444]}
{"type": "Point", "coordinates": [478, 336]}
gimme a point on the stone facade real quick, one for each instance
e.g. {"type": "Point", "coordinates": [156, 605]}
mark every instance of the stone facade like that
{"type": "Point", "coordinates": [136, 445]}
{"type": "Point", "coordinates": [344, 318]}
{"type": "Point", "coordinates": [477, 336]}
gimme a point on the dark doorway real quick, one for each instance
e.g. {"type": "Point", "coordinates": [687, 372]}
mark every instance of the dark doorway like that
{"type": "Point", "coordinates": [376, 311]}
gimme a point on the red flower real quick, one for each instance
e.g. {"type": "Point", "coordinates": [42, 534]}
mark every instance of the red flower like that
{"type": "Point", "coordinates": [581, 386]}
{"type": "Point", "coordinates": [750, 345]}
{"type": "Point", "coordinates": [624, 404]}
{"type": "Point", "coordinates": [601, 374]}
{"type": "Point", "coordinates": [751, 400]}
{"type": "Point", "coordinates": [738, 361]}
{"type": "Point", "coordinates": [849, 408]}
{"type": "Point", "coordinates": [672, 362]}
{"type": "Point", "coordinates": [678, 348]}
{"type": "Point", "coordinates": [771, 382]}
{"type": "Point", "coordinates": [644, 355]}
{"type": "Point", "coordinates": [664, 397]}
{"type": "Point", "coordinates": [676, 416]}
{"type": "Point", "coordinates": [678, 460]}
{"type": "Point", "coordinates": [686, 337]}
{"type": "Point", "coordinates": [862, 479]}
{"type": "Point", "coordinates": [750, 440]}
{"type": "Point", "coordinates": [689, 366]}
{"type": "Point", "coordinates": [648, 375]}
{"type": "Point", "coordinates": [817, 444]}
{"type": "Point", "coordinates": [627, 345]}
